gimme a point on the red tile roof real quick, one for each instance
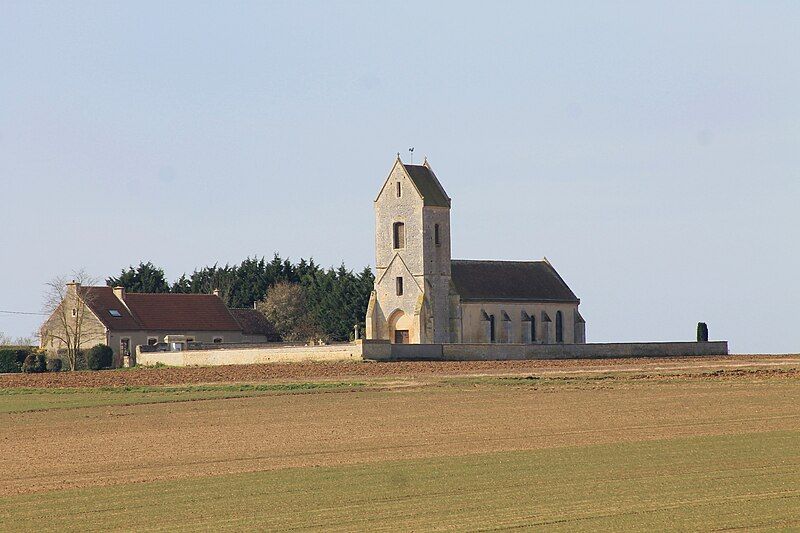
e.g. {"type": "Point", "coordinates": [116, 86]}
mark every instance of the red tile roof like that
{"type": "Point", "coordinates": [161, 312]}
{"type": "Point", "coordinates": [101, 300]}
{"type": "Point", "coordinates": [254, 322]}
{"type": "Point", "coordinates": [189, 312]}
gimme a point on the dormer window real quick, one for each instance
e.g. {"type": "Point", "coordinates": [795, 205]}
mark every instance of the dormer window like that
{"type": "Point", "coordinates": [399, 192]}
{"type": "Point", "coordinates": [114, 313]}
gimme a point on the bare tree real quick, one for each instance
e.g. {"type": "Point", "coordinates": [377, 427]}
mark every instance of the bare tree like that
{"type": "Point", "coordinates": [5, 340]}
{"type": "Point", "coordinates": [71, 322]}
{"type": "Point", "coordinates": [285, 306]}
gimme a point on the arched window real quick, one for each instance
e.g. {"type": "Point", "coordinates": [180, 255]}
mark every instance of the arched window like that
{"type": "Point", "coordinates": [559, 327]}
{"type": "Point", "coordinates": [399, 235]}
{"type": "Point", "coordinates": [533, 328]}
{"type": "Point", "coordinates": [491, 329]}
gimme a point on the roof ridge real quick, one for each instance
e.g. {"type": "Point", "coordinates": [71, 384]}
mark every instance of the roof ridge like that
{"type": "Point", "coordinates": [167, 294]}
{"type": "Point", "coordinates": [498, 261]}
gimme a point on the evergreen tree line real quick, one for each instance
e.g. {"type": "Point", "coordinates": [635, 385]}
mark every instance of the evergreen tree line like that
{"type": "Point", "coordinates": [335, 299]}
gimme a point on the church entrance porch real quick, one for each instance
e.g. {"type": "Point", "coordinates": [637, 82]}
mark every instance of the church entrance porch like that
{"type": "Point", "coordinates": [400, 327]}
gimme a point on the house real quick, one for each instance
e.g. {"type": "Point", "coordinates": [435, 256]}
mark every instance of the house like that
{"type": "Point", "coordinates": [124, 320]}
{"type": "Point", "coordinates": [423, 296]}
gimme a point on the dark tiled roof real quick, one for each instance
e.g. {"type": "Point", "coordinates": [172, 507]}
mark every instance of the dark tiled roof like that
{"type": "Point", "coordinates": [509, 281]}
{"type": "Point", "coordinates": [428, 186]}
{"type": "Point", "coordinates": [253, 322]}
{"type": "Point", "coordinates": [181, 312]}
{"type": "Point", "coordinates": [101, 300]}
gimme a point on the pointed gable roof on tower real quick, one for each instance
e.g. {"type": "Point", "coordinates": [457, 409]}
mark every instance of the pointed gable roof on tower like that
{"type": "Point", "coordinates": [428, 186]}
{"type": "Point", "coordinates": [424, 181]}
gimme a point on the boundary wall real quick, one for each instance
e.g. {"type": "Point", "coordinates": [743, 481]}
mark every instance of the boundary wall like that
{"type": "Point", "coordinates": [241, 355]}
{"type": "Point", "coordinates": [384, 351]}
{"type": "Point", "coordinates": [502, 352]}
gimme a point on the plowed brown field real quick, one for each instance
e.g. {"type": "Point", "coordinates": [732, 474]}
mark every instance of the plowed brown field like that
{"type": "Point", "coordinates": [344, 370]}
{"type": "Point", "coordinates": [431, 420]}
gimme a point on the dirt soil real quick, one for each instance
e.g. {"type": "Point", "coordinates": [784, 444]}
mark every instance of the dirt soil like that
{"type": "Point", "coordinates": [346, 370]}
{"type": "Point", "coordinates": [138, 443]}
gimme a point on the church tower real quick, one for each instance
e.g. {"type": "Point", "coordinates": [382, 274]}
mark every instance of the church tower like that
{"type": "Point", "coordinates": [411, 299]}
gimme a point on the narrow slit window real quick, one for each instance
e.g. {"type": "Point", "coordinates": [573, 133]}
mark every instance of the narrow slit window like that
{"type": "Point", "coordinates": [559, 327]}
{"type": "Point", "coordinates": [399, 191]}
{"type": "Point", "coordinates": [399, 231]}
{"type": "Point", "coordinates": [399, 285]}
{"type": "Point", "coordinates": [436, 235]}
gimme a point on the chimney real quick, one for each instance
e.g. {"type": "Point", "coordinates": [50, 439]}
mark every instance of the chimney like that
{"type": "Point", "coordinates": [215, 292]}
{"type": "Point", "coordinates": [119, 292]}
{"type": "Point", "coordinates": [73, 287]}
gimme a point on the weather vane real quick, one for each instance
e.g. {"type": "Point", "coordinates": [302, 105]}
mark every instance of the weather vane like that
{"type": "Point", "coordinates": [411, 150]}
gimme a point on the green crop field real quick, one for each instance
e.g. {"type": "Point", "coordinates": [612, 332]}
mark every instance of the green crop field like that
{"type": "Point", "coordinates": [720, 482]}
{"type": "Point", "coordinates": [608, 452]}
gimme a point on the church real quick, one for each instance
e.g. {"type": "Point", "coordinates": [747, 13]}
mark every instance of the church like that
{"type": "Point", "coordinates": [422, 296]}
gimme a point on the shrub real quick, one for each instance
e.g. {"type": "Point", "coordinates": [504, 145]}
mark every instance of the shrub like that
{"type": "Point", "coordinates": [702, 332]}
{"type": "Point", "coordinates": [34, 363]}
{"type": "Point", "coordinates": [54, 365]}
{"type": "Point", "coordinates": [80, 359]}
{"type": "Point", "coordinates": [11, 360]}
{"type": "Point", "coordinates": [101, 356]}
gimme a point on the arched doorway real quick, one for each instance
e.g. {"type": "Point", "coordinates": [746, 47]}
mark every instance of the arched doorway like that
{"type": "Point", "coordinates": [399, 327]}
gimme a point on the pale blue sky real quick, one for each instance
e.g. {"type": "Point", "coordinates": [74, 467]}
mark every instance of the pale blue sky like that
{"type": "Point", "coordinates": [649, 150]}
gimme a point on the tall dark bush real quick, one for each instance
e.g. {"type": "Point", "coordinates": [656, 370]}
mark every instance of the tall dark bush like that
{"type": "Point", "coordinates": [101, 356]}
{"type": "Point", "coordinates": [34, 363]}
{"type": "Point", "coordinates": [11, 359]}
{"type": "Point", "coordinates": [702, 332]}
{"type": "Point", "coordinates": [54, 365]}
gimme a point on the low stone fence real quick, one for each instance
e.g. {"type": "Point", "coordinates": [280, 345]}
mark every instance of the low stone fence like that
{"type": "Point", "coordinates": [248, 355]}
{"type": "Point", "coordinates": [498, 352]}
{"type": "Point", "coordinates": [384, 351]}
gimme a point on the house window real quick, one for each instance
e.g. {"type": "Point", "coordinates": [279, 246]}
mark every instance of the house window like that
{"type": "Point", "coordinates": [114, 313]}
{"type": "Point", "coordinates": [399, 285]}
{"type": "Point", "coordinates": [533, 328]}
{"type": "Point", "coordinates": [125, 346]}
{"type": "Point", "coordinates": [189, 339]}
{"type": "Point", "coordinates": [399, 234]}
{"type": "Point", "coordinates": [559, 327]}
{"type": "Point", "coordinates": [152, 341]}
{"type": "Point", "coordinates": [491, 329]}
{"type": "Point", "coordinates": [217, 340]}
{"type": "Point", "coordinates": [436, 235]}
{"type": "Point", "coordinates": [399, 192]}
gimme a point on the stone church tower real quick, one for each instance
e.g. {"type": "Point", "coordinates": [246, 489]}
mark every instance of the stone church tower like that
{"type": "Point", "coordinates": [423, 296]}
{"type": "Point", "coordinates": [411, 300]}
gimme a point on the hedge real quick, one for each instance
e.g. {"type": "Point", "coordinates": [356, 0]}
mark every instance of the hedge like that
{"type": "Point", "coordinates": [11, 359]}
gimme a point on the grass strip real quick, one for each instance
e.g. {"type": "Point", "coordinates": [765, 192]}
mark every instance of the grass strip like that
{"type": "Point", "coordinates": [16, 400]}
